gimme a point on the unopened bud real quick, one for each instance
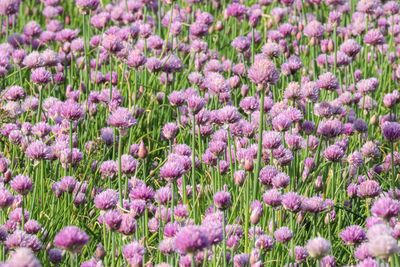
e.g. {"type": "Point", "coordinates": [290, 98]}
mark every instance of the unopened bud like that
{"type": "Point", "coordinates": [219, 26]}
{"type": "Point", "coordinates": [100, 252]}
{"type": "Point", "coordinates": [142, 150]}
{"type": "Point", "coordinates": [248, 165]}
{"type": "Point", "coordinates": [8, 175]}
{"type": "Point", "coordinates": [331, 45]}
{"type": "Point", "coordinates": [318, 183]}
{"type": "Point", "coordinates": [255, 216]}
{"type": "Point", "coordinates": [239, 178]}
{"type": "Point", "coordinates": [374, 120]}
{"type": "Point", "coordinates": [67, 20]}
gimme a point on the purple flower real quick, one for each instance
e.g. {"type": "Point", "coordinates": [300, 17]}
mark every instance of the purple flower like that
{"type": "Point", "coordinates": [141, 191]}
{"type": "Point", "coordinates": [137, 208]}
{"type": "Point", "coordinates": [153, 64]}
{"type": "Point", "coordinates": [122, 119]}
{"type": "Point", "coordinates": [263, 72]}
{"type": "Point", "coordinates": [128, 224]}
{"type": "Point", "coordinates": [171, 171]}
{"type": "Point", "coordinates": [353, 234]}
{"type": "Point", "coordinates": [21, 239]}
{"type": "Point", "coordinates": [271, 139]}
{"type": "Point", "coordinates": [281, 180]}
{"type": "Point", "coordinates": [172, 64]}
{"type": "Point", "coordinates": [41, 76]}
{"type": "Point", "coordinates": [334, 153]}
{"type": "Point", "coordinates": [71, 238]}
{"type": "Point", "coordinates": [367, 86]}
{"type": "Point", "coordinates": [132, 249]}
{"type": "Point", "coordinates": [385, 208]}
{"type": "Point", "coordinates": [112, 43]}
{"type": "Point", "coordinates": [9, 7]}
{"type": "Point", "coordinates": [374, 37]}
{"type": "Point", "coordinates": [271, 50]}
{"type": "Point", "coordinates": [136, 59]}
{"type": "Point", "coordinates": [32, 28]}
{"type": "Point", "coordinates": [362, 252]}
{"type": "Point", "coordinates": [281, 123]}
{"type": "Point", "coordinates": [109, 169]}
{"type": "Point", "coordinates": [128, 164]}
{"type": "Point", "coordinates": [106, 199]}
{"type": "Point", "coordinates": [283, 235]}
{"type": "Point", "coordinates": [191, 239]}
{"type": "Point", "coordinates": [198, 29]}
{"type": "Point", "coordinates": [6, 198]}
{"type": "Point", "coordinates": [235, 10]}
{"type": "Point", "coordinates": [241, 43]}
{"type": "Point", "coordinates": [272, 198]}
{"type": "Point", "coordinates": [318, 247]}
{"type": "Point", "coordinates": [87, 4]}
{"type": "Point", "coordinates": [195, 103]}
{"type": "Point", "coordinates": [22, 184]}
{"type": "Point", "coordinates": [213, 231]}
{"type": "Point", "coordinates": [314, 29]}
{"type": "Point", "coordinates": [176, 98]}
{"type": "Point", "coordinates": [23, 257]}
{"type": "Point", "coordinates": [228, 114]}
{"type": "Point", "coordinates": [169, 130]}
{"type": "Point", "coordinates": [32, 227]}
{"type": "Point", "coordinates": [71, 111]}
{"type": "Point", "coordinates": [383, 246]}
{"type": "Point", "coordinates": [328, 261]}
{"type": "Point", "coordinates": [314, 204]}
{"type": "Point", "coordinates": [113, 219]}
{"type": "Point", "coordinates": [13, 93]}
{"type": "Point", "coordinates": [328, 81]}
{"type": "Point", "coordinates": [222, 200]}
{"type": "Point", "coordinates": [241, 260]}
{"type": "Point", "coordinates": [300, 253]}
{"type": "Point", "coordinates": [67, 184]}
{"type": "Point", "coordinates": [370, 150]}
{"type": "Point", "coordinates": [265, 243]}
{"type": "Point", "coordinates": [55, 255]}
{"type": "Point", "coordinates": [163, 195]}
{"type": "Point", "coordinates": [291, 201]}
{"type": "Point", "coordinates": [41, 129]}
{"type": "Point", "coordinates": [391, 131]}
{"type": "Point", "coordinates": [369, 188]}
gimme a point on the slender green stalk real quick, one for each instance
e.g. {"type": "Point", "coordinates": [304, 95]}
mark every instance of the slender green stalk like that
{"type": "Point", "coordinates": [259, 146]}
{"type": "Point", "coordinates": [120, 169]}
{"type": "Point", "coordinates": [194, 188]}
{"type": "Point", "coordinates": [23, 214]}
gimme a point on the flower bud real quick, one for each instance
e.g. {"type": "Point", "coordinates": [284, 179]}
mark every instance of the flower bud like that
{"type": "Point", "coordinates": [142, 150]}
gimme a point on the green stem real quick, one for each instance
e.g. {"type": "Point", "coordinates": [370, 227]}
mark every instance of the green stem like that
{"type": "Point", "coordinates": [259, 152]}
{"type": "Point", "coordinates": [120, 169]}
{"type": "Point", "coordinates": [193, 169]}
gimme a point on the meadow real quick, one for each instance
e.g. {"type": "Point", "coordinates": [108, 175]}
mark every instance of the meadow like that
{"type": "Point", "coordinates": [199, 133]}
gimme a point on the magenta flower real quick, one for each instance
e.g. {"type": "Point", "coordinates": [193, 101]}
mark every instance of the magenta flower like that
{"type": "Point", "coordinates": [263, 72]}
{"type": "Point", "coordinates": [22, 184]}
{"type": "Point", "coordinates": [353, 234]}
{"type": "Point", "coordinates": [391, 131]}
{"type": "Point", "coordinates": [41, 76]}
{"type": "Point", "coordinates": [318, 247]}
{"type": "Point", "coordinates": [71, 111]}
{"type": "Point", "coordinates": [72, 239]}
{"type": "Point", "coordinates": [122, 119]}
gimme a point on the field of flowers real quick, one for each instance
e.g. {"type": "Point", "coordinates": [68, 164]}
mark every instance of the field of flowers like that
{"type": "Point", "coordinates": [199, 133]}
